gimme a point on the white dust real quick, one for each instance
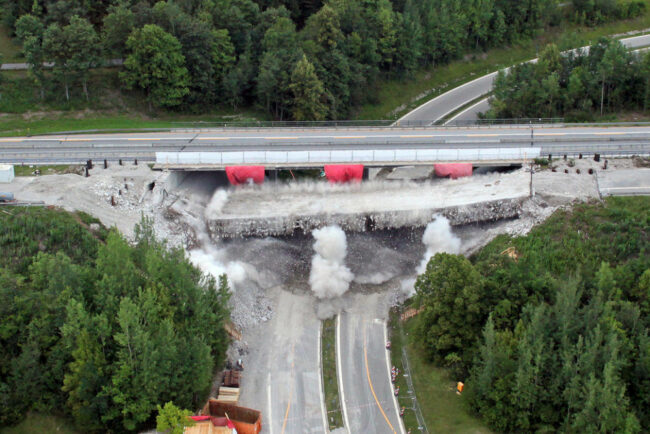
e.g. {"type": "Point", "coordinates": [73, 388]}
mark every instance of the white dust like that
{"type": "Point", "coordinates": [329, 277]}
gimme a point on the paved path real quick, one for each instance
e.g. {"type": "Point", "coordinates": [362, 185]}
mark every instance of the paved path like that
{"type": "Point", "coordinates": [25, 66]}
{"type": "Point", "coordinates": [630, 182]}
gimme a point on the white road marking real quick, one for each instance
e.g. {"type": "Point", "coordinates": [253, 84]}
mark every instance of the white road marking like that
{"type": "Point", "coordinates": [269, 401]}
{"type": "Point", "coordinates": [320, 380]}
{"type": "Point", "coordinates": [340, 375]}
{"type": "Point", "coordinates": [401, 421]}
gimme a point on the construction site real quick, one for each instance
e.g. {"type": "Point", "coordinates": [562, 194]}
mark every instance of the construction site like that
{"type": "Point", "coordinates": [301, 250]}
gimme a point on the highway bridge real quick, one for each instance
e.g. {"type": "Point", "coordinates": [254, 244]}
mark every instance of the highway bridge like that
{"type": "Point", "coordinates": [316, 146]}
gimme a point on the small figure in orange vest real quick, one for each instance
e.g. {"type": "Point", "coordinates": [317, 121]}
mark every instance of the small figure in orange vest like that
{"type": "Point", "coordinates": [459, 387]}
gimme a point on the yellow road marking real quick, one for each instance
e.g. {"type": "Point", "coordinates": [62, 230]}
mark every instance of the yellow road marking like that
{"type": "Point", "coordinates": [213, 138]}
{"type": "Point", "coordinates": [611, 133]}
{"type": "Point", "coordinates": [12, 140]}
{"type": "Point", "coordinates": [286, 413]}
{"type": "Point", "coordinates": [372, 389]}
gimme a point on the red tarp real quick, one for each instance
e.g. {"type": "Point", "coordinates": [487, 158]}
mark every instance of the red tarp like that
{"type": "Point", "coordinates": [344, 172]}
{"type": "Point", "coordinates": [453, 170]}
{"type": "Point", "coordinates": [238, 175]}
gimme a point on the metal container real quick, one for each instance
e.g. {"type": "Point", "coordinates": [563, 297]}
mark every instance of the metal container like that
{"type": "Point", "coordinates": [6, 197]}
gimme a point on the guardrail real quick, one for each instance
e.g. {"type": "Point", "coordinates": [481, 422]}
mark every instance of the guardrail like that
{"type": "Point", "coordinates": [388, 124]}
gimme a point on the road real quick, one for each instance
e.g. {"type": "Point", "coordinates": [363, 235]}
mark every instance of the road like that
{"type": "Point", "coordinates": [552, 139]}
{"type": "Point", "coordinates": [441, 106]}
{"type": "Point", "coordinates": [25, 66]}
{"type": "Point", "coordinates": [283, 378]}
{"type": "Point", "coordinates": [367, 393]}
{"type": "Point", "coordinates": [624, 182]}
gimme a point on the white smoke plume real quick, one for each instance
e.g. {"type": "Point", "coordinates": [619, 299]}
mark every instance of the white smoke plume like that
{"type": "Point", "coordinates": [329, 277]}
{"type": "Point", "coordinates": [218, 201]}
{"type": "Point", "coordinates": [210, 260]}
{"type": "Point", "coordinates": [438, 238]}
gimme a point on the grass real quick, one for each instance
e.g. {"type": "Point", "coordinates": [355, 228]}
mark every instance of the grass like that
{"type": "Point", "coordinates": [39, 423]}
{"type": "Point", "coordinates": [28, 170]}
{"type": "Point", "coordinates": [330, 380]}
{"type": "Point", "coordinates": [9, 49]}
{"type": "Point", "coordinates": [442, 408]}
{"type": "Point", "coordinates": [397, 97]}
{"type": "Point", "coordinates": [23, 113]}
{"type": "Point", "coordinates": [111, 108]}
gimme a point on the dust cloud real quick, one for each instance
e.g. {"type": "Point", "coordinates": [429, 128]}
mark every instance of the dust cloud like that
{"type": "Point", "coordinates": [438, 238]}
{"type": "Point", "coordinates": [329, 277]}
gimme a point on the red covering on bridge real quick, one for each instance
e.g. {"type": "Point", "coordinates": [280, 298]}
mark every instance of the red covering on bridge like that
{"type": "Point", "coordinates": [344, 172]}
{"type": "Point", "coordinates": [238, 175]}
{"type": "Point", "coordinates": [453, 170]}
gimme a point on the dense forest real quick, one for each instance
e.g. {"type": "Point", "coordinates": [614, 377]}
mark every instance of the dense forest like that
{"type": "Point", "coordinates": [606, 78]}
{"type": "Point", "coordinates": [549, 331]}
{"type": "Point", "coordinates": [298, 59]}
{"type": "Point", "coordinates": [99, 329]}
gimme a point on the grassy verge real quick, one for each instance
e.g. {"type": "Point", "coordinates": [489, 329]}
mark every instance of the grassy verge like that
{"type": "Point", "coordinates": [47, 170]}
{"type": "Point", "coordinates": [442, 409]}
{"type": "Point", "coordinates": [40, 423]}
{"type": "Point", "coordinates": [397, 97]}
{"type": "Point", "coordinates": [8, 47]}
{"type": "Point", "coordinates": [330, 381]}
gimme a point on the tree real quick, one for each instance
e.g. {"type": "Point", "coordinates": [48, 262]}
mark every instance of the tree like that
{"type": "Point", "coordinates": [307, 92]}
{"type": "Point", "coordinates": [281, 53]}
{"type": "Point", "coordinates": [83, 49]}
{"type": "Point", "coordinates": [172, 419]}
{"type": "Point", "coordinates": [156, 65]}
{"type": "Point", "coordinates": [118, 25]}
{"type": "Point", "coordinates": [29, 30]}
{"type": "Point", "coordinates": [450, 291]}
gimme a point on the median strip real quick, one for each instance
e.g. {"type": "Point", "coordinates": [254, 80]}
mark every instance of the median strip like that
{"type": "Point", "coordinates": [330, 381]}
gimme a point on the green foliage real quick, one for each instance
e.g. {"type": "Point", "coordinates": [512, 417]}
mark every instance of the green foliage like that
{"type": "Point", "coordinates": [102, 330]}
{"type": "Point", "coordinates": [607, 78]}
{"type": "Point", "coordinates": [156, 65]}
{"type": "Point", "coordinates": [307, 92]}
{"type": "Point", "coordinates": [172, 419]}
{"type": "Point", "coordinates": [254, 45]}
{"type": "Point", "coordinates": [564, 346]}
{"type": "Point", "coordinates": [452, 295]}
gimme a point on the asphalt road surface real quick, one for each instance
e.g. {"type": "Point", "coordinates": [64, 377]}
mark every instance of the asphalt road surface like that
{"type": "Point", "coordinates": [624, 182]}
{"type": "Point", "coordinates": [365, 388]}
{"type": "Point", "coordinates": [552, 139]}
{"type": "Point", "coordinates": [471, 112]}
{"type": "Point", "coordinates": [283, 379]}
{"type": "Point", "coordinates": [441, 106]}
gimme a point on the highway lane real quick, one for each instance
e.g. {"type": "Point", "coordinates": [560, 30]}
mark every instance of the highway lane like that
{"type": "Point", "coordinates": [470, 113]}
{"type": "Point", "coordinates": [284, 375]}
{"type": "Point", "coordinates": [368, 402]}
{"type": "Point", "coordinates": [440, 106]}
{"type": "Point", "coordinates": [143, 146]}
